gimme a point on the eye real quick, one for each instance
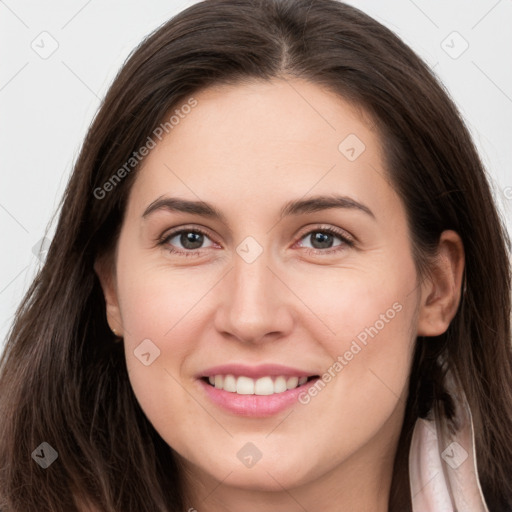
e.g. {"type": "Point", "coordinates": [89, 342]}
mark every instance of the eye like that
{"type": "Point", "coordinates": [326, 240]}
{"type": "Point", "coordinates": [186, 241]}
{"type": "Point", "coordinates": [322, 240]}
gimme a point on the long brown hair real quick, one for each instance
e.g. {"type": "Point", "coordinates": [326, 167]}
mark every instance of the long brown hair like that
{"type": "Point", "coordinates": [62, 379]}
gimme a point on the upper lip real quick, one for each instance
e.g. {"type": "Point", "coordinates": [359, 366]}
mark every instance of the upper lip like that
{"type": "Point", "coordinates": [263, 370]}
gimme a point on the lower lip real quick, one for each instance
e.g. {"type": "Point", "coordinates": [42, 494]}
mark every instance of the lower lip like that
{"type": "Point", "coordinates": [255, 405]}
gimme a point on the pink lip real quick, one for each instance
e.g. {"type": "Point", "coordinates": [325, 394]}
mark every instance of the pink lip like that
{"type": "Point", "coordinates": [254, 372]}
{"type": "Point", "coordinates": [254, 405]}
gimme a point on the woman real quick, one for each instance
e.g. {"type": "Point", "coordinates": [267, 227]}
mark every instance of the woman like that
{"type": "Point", "coordinates": [278, 282]}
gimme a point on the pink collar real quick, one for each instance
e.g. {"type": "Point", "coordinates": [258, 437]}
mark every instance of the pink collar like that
{"type": "Point", "coordinates": [442, 461]}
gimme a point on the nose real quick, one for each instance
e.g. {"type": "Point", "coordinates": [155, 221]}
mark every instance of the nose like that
{"type": "Point", "coordinates": [254, 305]}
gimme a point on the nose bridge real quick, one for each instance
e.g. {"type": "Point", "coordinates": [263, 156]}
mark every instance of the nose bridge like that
{"type": "Point", "coordinates": [251, 290]}
{"type": "Point", "coordinates": [253, 305]}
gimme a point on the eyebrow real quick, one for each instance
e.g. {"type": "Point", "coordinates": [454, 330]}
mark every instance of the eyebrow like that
{"type": "Point", "coordinates": [295, 207]}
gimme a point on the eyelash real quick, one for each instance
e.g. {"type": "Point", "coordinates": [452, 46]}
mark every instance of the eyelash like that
{"type": "Point", "coordinates": [343, 236]}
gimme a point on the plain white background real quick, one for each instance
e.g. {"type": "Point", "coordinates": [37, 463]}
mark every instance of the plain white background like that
{"type": "Point", "coordinates": [59, 57]}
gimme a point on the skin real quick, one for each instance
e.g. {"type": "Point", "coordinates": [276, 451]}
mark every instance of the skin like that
{"type": "Point", "coordinates": [248, 149]}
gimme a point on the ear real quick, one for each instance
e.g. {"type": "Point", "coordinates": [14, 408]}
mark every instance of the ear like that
{"type": "Point", "coordinates": [441, 290]}
{"type": "Point", "coordinates": [105, 271]}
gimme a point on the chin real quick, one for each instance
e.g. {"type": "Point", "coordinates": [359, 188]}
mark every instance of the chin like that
{"type": "Point", "coordinates": [268, 475]}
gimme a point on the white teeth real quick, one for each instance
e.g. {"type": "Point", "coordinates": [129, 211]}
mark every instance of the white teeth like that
{"type": "Point", "coordinates": [230, 383]}
{"type": "Point", "coordinates": [263, 386]}
{"type": "Point", "coordinates": [280, 384]}
{"type": "Point", "coordinates": [244, 386]}
{"type": "Point", "coordinates": [292, 382]}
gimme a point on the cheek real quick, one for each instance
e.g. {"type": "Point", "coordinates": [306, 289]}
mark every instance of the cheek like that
{"type": "Point", "coordinates": [162, 314]}
{"type": "Point", "coordinates": [168, 316]}
{"type": "Point", "coordinates": [360, 395]}
{"type": "Point", "coordinates": [371, 318]}
{"type": "Point", "coordinates": [155, 300]}
{"type": "Point", "coordinates": [361, 304]}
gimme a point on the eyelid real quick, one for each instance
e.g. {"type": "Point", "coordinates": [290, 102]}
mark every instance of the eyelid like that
{"type": "Point", "coordinates": [187, 227]}
{"type": "Point", "coordinates": [341, 233]}
{"type": "Point", "coordinates": [346, 238]}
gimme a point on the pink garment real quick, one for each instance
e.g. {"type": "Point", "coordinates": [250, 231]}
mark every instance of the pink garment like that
{"type": "Point", "coordinates": [442, 462]}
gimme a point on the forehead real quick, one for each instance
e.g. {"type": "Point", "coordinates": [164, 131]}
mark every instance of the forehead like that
{"type": "Point", "coordinates": [263, 141]}
{"type": "Point", "coordinates": [281, 116]}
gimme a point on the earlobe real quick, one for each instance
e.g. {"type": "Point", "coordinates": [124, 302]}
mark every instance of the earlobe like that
{"type": "Point", "coordinates": [106, 275]}
{"type": "Point", "coordinates": [441, 291]}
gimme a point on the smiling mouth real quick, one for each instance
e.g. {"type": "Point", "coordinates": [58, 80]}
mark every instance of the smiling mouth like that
{"type": "Point", "coordinates": [268, 385]}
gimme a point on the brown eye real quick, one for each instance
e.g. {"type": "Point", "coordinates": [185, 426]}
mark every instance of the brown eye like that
{"type": "Point", "coordinates": [187, 240]}
{"type": "Point", "coordinates": [191, 239]}
{"type": "Point", "coordinates": [321, 240]}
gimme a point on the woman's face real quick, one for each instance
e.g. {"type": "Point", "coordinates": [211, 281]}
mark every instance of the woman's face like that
{"type": "Point", "coordinates": [284, 255]}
